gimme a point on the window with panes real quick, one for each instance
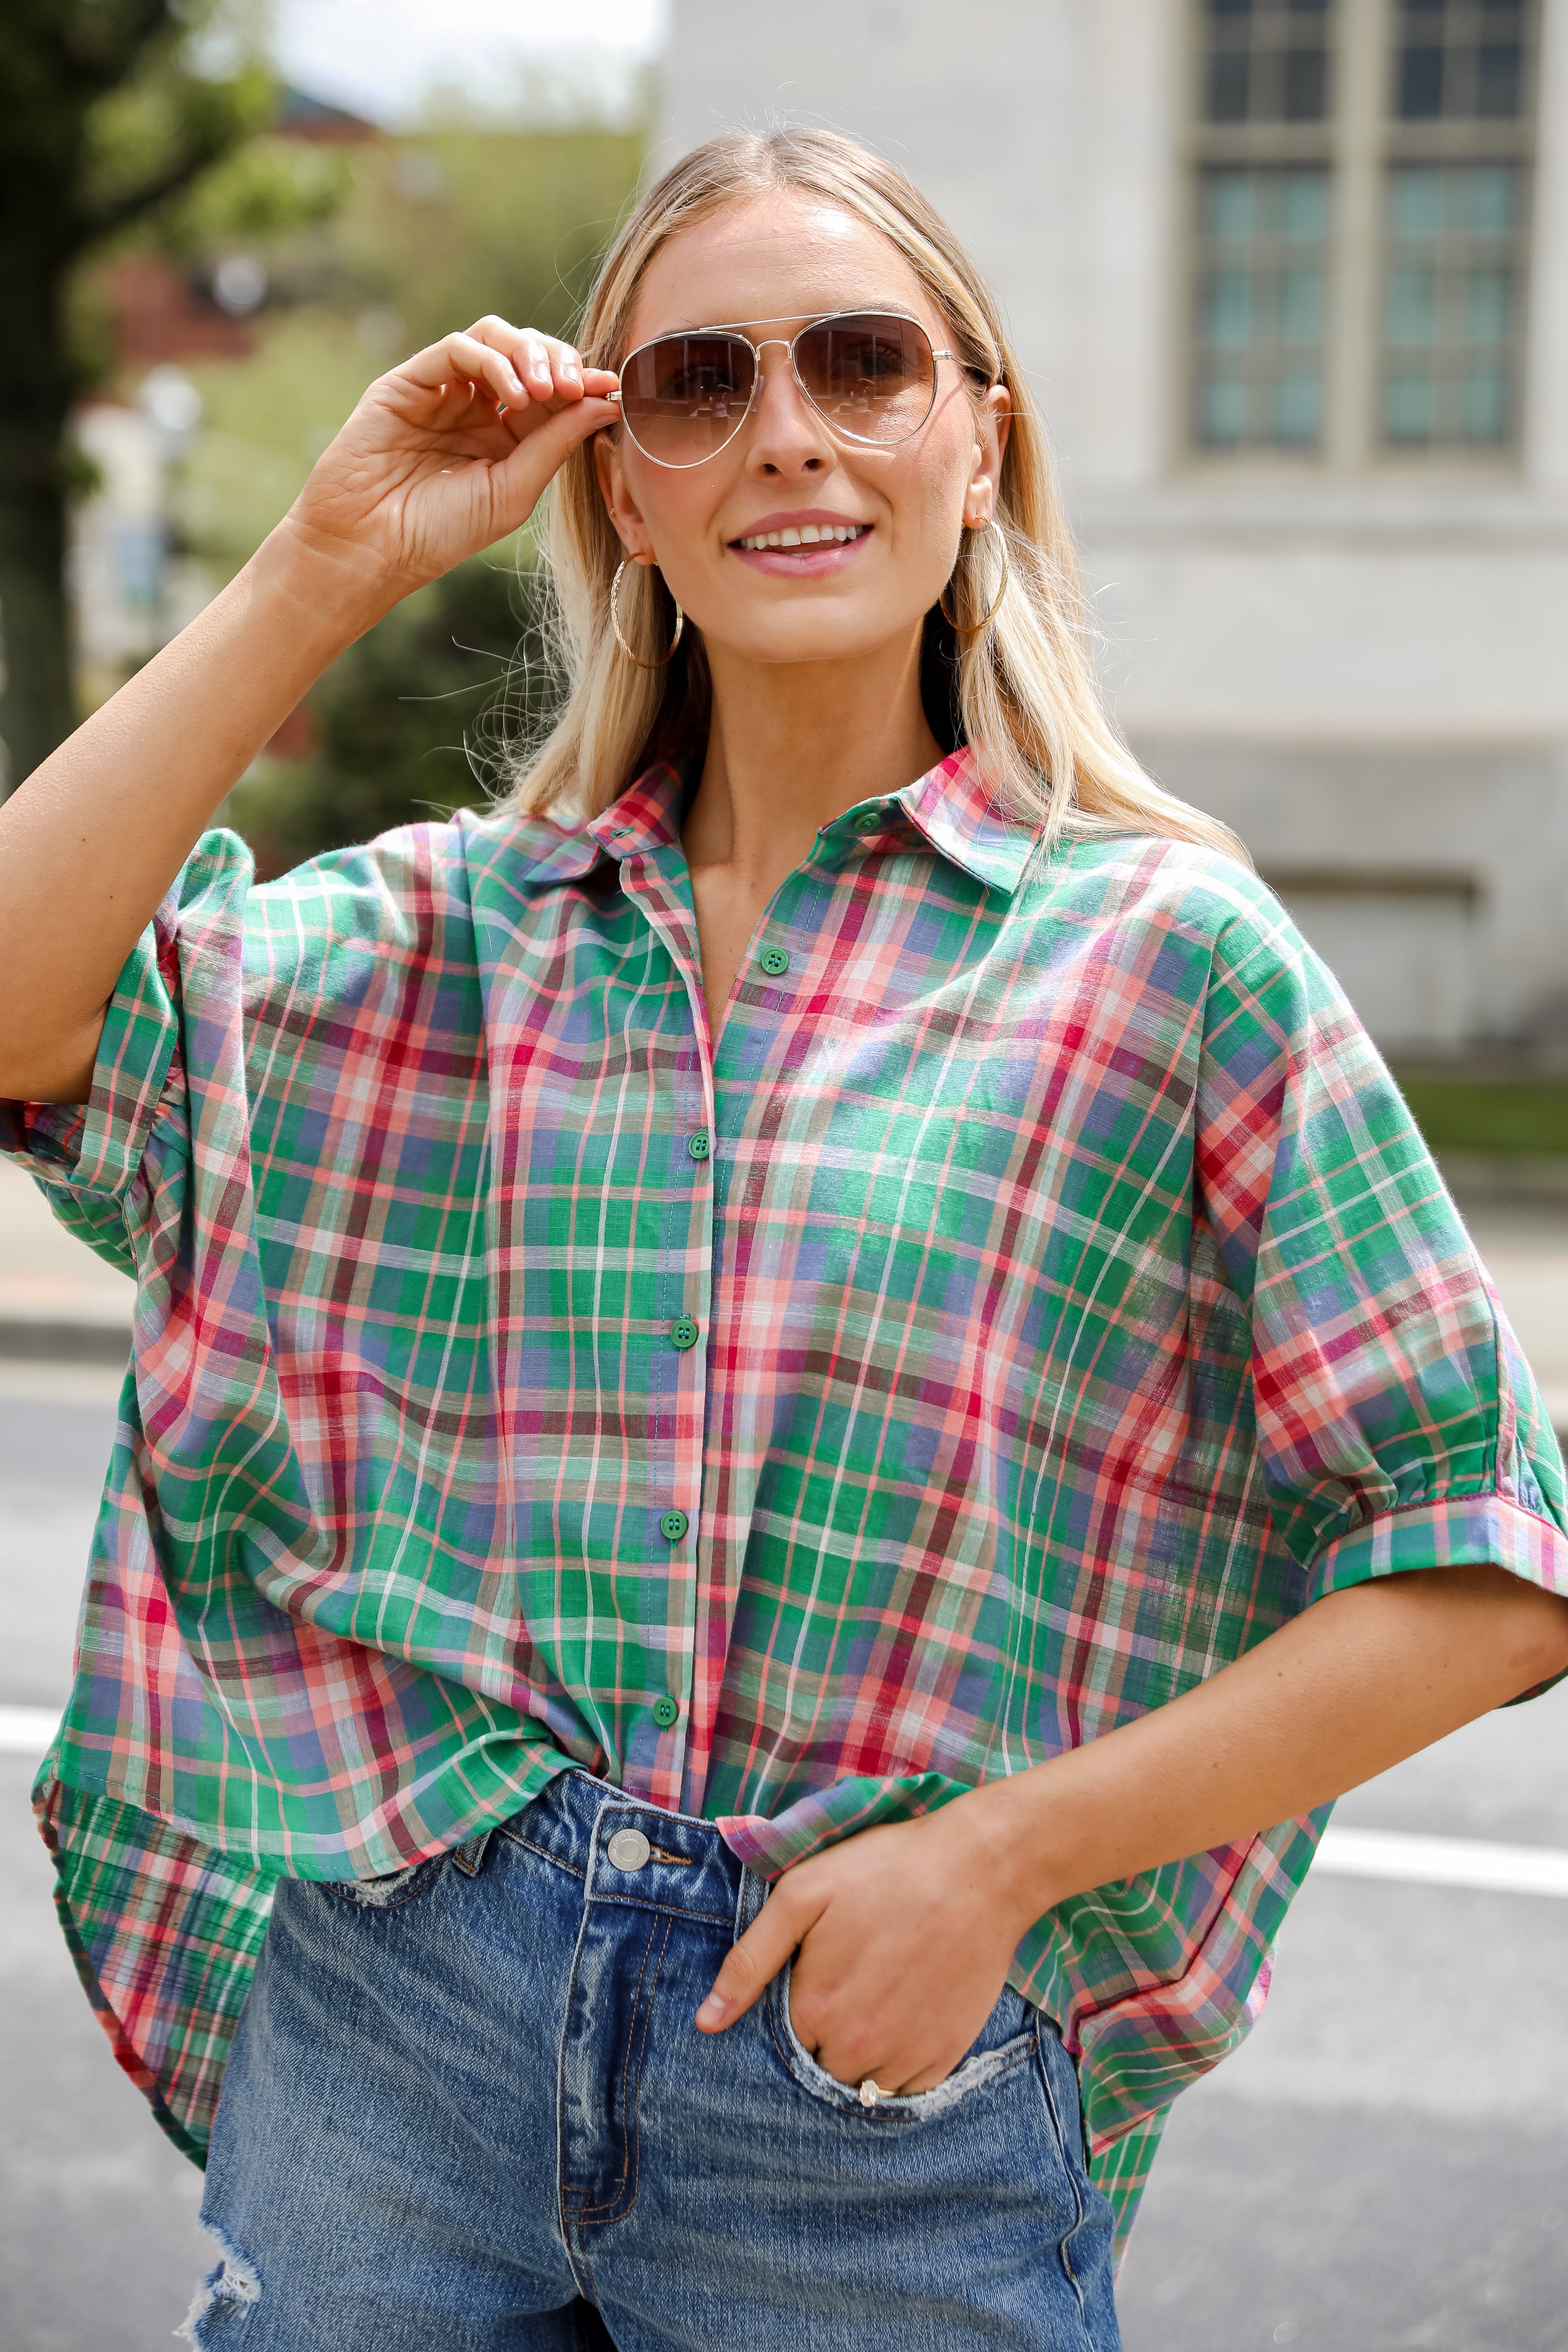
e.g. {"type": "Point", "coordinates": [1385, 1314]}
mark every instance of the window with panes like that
{"type": "Point", "coordinates": [1360, 205]}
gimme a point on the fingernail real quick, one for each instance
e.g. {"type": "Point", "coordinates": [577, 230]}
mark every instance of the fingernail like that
{"type": "Point", "coordinates": [714, 2010]}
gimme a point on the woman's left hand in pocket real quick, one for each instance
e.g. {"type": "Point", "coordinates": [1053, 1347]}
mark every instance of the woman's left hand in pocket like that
{"type": "Point", "coordinates": [902, 1937]}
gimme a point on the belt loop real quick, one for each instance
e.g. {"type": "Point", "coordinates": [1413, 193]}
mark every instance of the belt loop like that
{"type": "Point", "coordinates": [470, 1855]}
{"type": "Point", "coordinates": [750, 1897]}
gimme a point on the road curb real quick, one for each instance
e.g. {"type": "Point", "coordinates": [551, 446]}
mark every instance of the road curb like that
{"type": "Point", "coordinates": [64, 1339]}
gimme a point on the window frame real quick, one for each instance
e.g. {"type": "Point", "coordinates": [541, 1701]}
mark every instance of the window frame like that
{"type": "Point", "coordinates": [1359, 144]}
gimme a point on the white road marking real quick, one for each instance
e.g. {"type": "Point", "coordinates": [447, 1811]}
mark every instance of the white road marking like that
{"type": "Point", "coordinates": [1345, 1853]}
{"type": "Point", "coordinates": [1444, 1860]}
{"type": "Point", "coordinates": [28, 1730]}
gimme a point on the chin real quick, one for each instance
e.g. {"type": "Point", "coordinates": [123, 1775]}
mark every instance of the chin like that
{"type": "Point", "coordinates": [825, 633]}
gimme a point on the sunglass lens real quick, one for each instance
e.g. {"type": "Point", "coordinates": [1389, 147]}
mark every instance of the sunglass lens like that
{"type": "Point", "coordinates": [684, 397]}
{"type": "Point", "coordinates": [874, 375]}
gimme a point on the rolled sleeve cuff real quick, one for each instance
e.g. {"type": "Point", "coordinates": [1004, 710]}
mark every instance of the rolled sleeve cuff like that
{"type": "Point", "coordinates": [1470, 1531]}
{"type": "Point", "coordinates": [96, 1146]}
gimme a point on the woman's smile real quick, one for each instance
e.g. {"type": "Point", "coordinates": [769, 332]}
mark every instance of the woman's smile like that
{"type": "Point", "coordinates": [800, 543]}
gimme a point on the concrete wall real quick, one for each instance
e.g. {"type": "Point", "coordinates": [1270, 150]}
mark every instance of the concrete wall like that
{"type": "Point", "coordinates": [1365, 671]}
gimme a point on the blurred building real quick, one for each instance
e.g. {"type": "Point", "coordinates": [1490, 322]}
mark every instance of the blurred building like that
{"type": "Point", "coordinates": [1291, 277]}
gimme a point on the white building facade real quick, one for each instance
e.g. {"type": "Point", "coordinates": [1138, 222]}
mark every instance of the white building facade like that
{"type": "Point", "coordinates": [1290, 279]}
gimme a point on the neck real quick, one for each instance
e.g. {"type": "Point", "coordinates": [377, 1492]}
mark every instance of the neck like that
{"type": "Point", "coordinates": [791, 745]}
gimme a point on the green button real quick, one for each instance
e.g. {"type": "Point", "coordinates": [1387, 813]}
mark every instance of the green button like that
{"type": "Point", "coordinates": [665, 1712]}
{"type": "Point", "coordinates": [673, 1524]}
{"type": "Point", "coordinates": [684, 1333]}
{"type": "Point", "coordinates": [869, 820]}
{"type": "Point", "coordinates": [698, 1146]}
{"type": "Point", "coordinates": [774, 960]}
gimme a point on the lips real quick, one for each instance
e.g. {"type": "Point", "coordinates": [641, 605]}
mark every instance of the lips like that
{"type": "Point", "coordinates": [800, 527]}
{"type": "Point", "coordinates": [802, 542]}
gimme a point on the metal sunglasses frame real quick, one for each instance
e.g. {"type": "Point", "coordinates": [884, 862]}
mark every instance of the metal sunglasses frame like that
{"type": "Point", "coordinates": [732, 330]}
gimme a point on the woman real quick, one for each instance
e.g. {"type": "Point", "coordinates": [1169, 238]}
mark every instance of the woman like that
{"type": "Point", "coordinates": [828, 1297]}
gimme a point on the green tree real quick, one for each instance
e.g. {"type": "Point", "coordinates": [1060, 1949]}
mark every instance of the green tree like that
{"type": "Point", "coordinates": [107, 121]}
{"type": "Point", "coordinates": [413, 721]}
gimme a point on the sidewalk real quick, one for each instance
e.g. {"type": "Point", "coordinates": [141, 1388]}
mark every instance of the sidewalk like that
{"type": "Point", "coordinates": [60, 1305]}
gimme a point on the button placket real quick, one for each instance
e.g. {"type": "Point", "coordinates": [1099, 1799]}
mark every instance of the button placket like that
{"type": "Point", "coordinates": [655, 891]}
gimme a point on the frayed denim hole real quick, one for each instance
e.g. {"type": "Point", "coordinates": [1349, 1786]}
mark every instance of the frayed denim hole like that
{"type": "Point", "coordinates": [385, 1894]}
{"type": "Point", "coordinates": [233, 2279]}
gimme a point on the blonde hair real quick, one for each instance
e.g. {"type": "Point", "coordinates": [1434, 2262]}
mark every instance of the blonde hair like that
{"type": "Point", "coordinates": [1023, 691]}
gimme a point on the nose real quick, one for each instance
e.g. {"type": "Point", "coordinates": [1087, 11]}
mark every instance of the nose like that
{"type": "Point", "coordinates": [788, 440]}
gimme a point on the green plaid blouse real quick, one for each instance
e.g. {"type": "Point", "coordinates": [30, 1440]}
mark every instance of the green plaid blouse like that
{"type": "Point", "coordinates": [1037, 1294]}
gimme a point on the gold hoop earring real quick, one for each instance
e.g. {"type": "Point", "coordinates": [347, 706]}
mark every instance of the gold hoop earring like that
{"type": "Point", "coordinates": [615, 625]}
{"type": "Point", "coordinates": [973, 628]}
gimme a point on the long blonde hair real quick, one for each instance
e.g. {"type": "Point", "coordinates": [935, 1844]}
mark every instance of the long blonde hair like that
{"type": "Point", "coordinates": [1023, 692]}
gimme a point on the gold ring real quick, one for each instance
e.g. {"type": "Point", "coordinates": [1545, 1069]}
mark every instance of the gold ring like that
{"type": "Point", "coordinates": [871, 2092]}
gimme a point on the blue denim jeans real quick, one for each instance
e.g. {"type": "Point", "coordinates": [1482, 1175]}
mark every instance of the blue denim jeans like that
{"type": "Point", "coordinates": [468, 2109]}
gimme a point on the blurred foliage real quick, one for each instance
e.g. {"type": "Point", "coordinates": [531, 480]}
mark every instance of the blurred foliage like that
{"type": "Point", "coordinates": [154, 132]}
{"type": "Point", "coordinates": [435, 231]}
{"type": "Point", "coordinates": [452, 224]}
{"type": "Point", "coordinates": [413, 721]}
{"type": "Point", "coordinates": [266, 421]}
{"type": "Point", "coordinates": [1466, 1113]}
{"type": "Point", "coordinates": [112, 115]}
{"type": "Point", "coordinates": [271, 188]}
{"type": "Point", "coordinates": [432, 233]}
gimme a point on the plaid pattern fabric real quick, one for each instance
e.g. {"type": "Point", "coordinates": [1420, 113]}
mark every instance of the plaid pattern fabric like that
{"type": "Point", "coordinates": [1037, 1295]}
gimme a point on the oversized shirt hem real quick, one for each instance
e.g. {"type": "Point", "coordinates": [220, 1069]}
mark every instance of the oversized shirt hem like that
{"type": "Point", "coordinates": [1033, 1297]}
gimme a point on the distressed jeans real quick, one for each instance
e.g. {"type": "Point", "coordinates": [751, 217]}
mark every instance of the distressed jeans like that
{"type": "Point", "coordinates": [467, 2110]}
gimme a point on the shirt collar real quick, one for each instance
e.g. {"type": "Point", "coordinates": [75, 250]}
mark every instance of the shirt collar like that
{"type": "Point", "coordinates": [949, 805]}
{"type": "Point", "coordinates": [952, 807]}
{"type": "Point", "coordinates": [648, 814]}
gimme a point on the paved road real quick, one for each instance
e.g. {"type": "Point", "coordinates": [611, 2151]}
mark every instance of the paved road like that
{"type": "Point", "coordinates": [1384, 2167]}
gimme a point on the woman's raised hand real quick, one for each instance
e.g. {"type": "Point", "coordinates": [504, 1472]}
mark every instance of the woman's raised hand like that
{"type": "Point", "coordinates": [449, 452]}
{"type": "Point", "coordinates": [443, 457]}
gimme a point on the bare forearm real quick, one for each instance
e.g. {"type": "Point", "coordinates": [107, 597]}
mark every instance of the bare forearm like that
{"type": "Point", "coordinates": [445, 455]}
{"type": "Point", "coordinates": [91, 840]}
{"type": "Point", "coordinates": [1358, 1682]}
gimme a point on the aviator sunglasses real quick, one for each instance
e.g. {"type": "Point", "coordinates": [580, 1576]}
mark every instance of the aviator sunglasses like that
{"type": "Point", "coordinates": [870, 374]}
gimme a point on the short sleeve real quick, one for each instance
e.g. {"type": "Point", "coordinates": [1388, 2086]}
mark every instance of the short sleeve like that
{"type": "Point", "coordinates": [1397, 1423]}
{"type": "Point", "coordinates": [162, 1146]}
{"type": "Point", "coordinates": [86, 1157]}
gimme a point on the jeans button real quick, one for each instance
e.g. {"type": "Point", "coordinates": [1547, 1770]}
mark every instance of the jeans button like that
{"type": "Point", "coordinates": [628, 1849]}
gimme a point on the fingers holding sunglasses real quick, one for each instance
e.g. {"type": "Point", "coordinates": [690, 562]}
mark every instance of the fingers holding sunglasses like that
{"type": "Point", "coordinates": [549, 372]}
{"type": "Point", "coordinates": [459, 366]}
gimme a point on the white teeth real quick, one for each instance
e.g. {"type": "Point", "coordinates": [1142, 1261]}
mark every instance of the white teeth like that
{"type": "Point", "coordinates": [808, 535]}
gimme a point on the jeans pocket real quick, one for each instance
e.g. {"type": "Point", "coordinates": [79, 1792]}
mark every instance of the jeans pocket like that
{"type": "Point", "coordinates": [980, 2071]}
{"type": "Point", "coordinates": [399, 1886]}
